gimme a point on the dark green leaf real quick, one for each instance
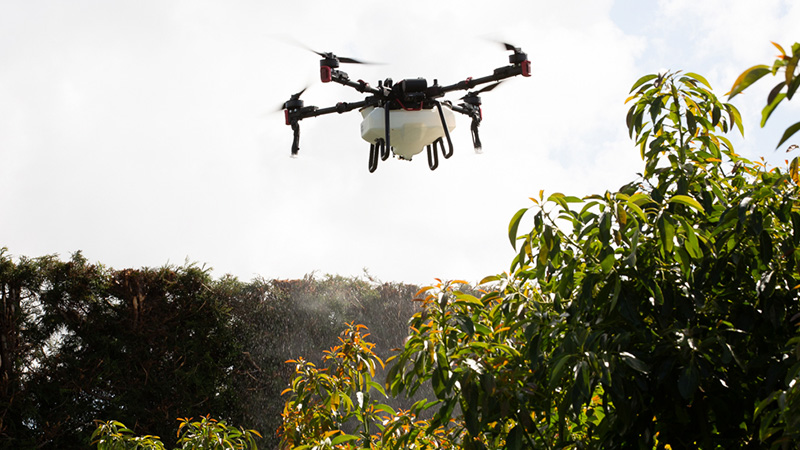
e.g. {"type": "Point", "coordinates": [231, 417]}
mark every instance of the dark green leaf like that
{"type": "Point", "coordinates": [634, 362]}
{"type": "Point", "coordinates": [514, 440]}
{"type": "Point", "coordinates": [687, 382]}
{"type": "Point", "coordinates": [641, 81]}
{"type": "Point", "coordinates": [767, 111]}
{"type": "Point", "coordinates": [789, 132]}
{"type": "Point", "coordinates": [466, 324]}
{"type": "Point", "coordinates": [514, 225]}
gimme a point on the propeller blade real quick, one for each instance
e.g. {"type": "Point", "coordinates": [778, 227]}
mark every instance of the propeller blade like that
{"type": "Point", "coordinates": [352, 61]}
{"type": "Point", "coordinates": [293, 98]}
{"type": "Point", "coordinates": [489, 87]}
{"type": "Point", "coordinates": [297, 95]}
{"type": "Point", "coordinates": [506, 45]}
{"type": "Point", "coordinates": [482, 90]}
{"type": "Point", "coordinates": [344, 60]}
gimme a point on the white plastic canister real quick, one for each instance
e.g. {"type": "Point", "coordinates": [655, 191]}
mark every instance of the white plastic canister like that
{"type": "Point", "coordinates": [410, 131]}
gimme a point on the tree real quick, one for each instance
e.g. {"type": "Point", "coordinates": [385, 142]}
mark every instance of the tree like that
{"type": "Point", "coordinates": [82, 342]}
{"type": "Point", "coordinates": [665, 313]}
{"type": "Point", "coordinates": [19, 283]}
{"type": "Point", "coordinates": [277, 320]}
{"type": "Point", "coordinates": [203, 434]}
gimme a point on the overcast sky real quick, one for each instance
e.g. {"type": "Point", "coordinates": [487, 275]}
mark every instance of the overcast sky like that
{"type": "Point", "coordinates": [139, 131]}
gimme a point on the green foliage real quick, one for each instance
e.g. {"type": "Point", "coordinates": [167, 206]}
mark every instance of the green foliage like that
{"type": "Point", "coordinates": [791, 81]}
{"type": "Point", "coordinates": [337, 406]}
{"type": "Point", "coordinates": [205, 434]}
{"type": "Point", "coordinates": [278, 320]}
{"type": "Point", "coordinates": [82, 342]}
{"type": "Point", "coordinates": [114, 435]}
{"type": "Point", "coordinates": [661, 315]}
{"type": "Point", "coordinates": [322, 401]}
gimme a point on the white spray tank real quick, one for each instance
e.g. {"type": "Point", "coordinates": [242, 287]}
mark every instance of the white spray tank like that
{"type": "Point", "coordinates": [410, 130]}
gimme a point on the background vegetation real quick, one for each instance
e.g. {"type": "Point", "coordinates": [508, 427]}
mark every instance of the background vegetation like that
{"type": "Point", "coordinates": [81, 342]}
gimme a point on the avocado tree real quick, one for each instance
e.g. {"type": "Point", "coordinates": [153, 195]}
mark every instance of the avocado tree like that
{"type": "Point", "coordinates": [664, 314]}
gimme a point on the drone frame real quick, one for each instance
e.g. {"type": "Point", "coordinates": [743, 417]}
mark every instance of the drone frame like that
{"type": "Point", "coordinates": [391, 96]}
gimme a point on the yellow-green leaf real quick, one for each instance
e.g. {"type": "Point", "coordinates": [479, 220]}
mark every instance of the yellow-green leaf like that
{"type": "Point", "coordinates": [698, 78]}
{"type": "Point", "coordinates": [747, 78]}
{"type": "Point", "coordinates": [688, 201]}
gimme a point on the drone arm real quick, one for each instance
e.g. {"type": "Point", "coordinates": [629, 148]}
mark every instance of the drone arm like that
{"type": "Point", "coordinates": [294, 117]}
{"type": "Point", "coordinates": [340, 108]}
{"type": "Point", "coordinates": [340, 77]}
{"type": "Point", "coordinates": [499, 74]}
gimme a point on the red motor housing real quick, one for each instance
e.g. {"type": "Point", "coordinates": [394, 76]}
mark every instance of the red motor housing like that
{"type": "Point", "coordinates": [325, 74]}
{"type": "Point", "coordinates": [526, 68]}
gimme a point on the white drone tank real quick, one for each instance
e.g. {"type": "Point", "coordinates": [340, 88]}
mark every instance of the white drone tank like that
{"type": "Point", "coordinates": [410, 131]}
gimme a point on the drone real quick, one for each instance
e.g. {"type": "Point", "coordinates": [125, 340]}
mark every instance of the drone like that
{"type": "Point", "coordinates": [406, 117]}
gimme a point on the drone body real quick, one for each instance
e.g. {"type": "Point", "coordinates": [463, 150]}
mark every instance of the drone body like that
{"type": "Point", "coordinates": [406, 117]}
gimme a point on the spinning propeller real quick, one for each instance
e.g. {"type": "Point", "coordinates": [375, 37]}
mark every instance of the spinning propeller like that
{"type": "Point", "coordinates": [340, 59]}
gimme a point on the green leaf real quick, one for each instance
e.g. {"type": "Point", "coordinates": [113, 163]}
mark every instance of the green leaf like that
{"type": "Point", "coordinates": [794, 170]}
{"type": "Point", "coordinates": [775, 91]}
{"type": "Point", "coordinates": [747, 78]}
{"type": "Point", "coordinates": [688, 201]}
{"type": "Point", "coordinates": [466, 324]}
{"type": "Point", "coordinates": [385, 408]}
{"type": "Point", "coordinates": [789, 132]}
{"type": "Point", "coordinates": [634, 362]}
{"type": "Point", "coordinates": [489, 279]}
{"type": "Point", "coordinates": [767, 111]}
{"type": "Point", "coordinates": [642, 81]}
{"type": "Point", "coordinates": [687, 382]}
{"type": "Point", "coordinates": [607, 263]}
{"type": "Point", "coordinates": [468, 299]}
{"type": "Point", "coordinates": [793, 87]}
{"type": "Point", "coordinates": [556, 373]}
{"type": "Point", "coordinates": [377, 387]}
{"type": "Point", "coordinates": [716, 114]}
{"type": "Point", "coordinates": [667, 232]}
{"type": "Point", "coordinates": [698, 78]}
{"type": "Point", "coordinates": [482, 329]}
{"type": "Point", "coordinates": [765, 247]}
{"type": "Point", "coordinates": [735, 116]}
{"type": "Point", "coordinates": [691, 243]}
{"type": "Point", "coordinates": [514, 225]}
{"type": "Point", "coordinates": [514, 440]}
{"type": "Point", "coordinates": [343, 438]}
{"type": "Point", "coordinates": [789, 71]}
{"type": "Point", "coordinates": [691, 123]}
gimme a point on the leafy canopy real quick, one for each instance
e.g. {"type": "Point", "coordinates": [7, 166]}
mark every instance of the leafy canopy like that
{"type": "Point", "coordinates": [661, 315]}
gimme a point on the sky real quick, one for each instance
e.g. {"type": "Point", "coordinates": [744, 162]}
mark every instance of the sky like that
{"type": "Point", "coordinates": [144, 133]}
